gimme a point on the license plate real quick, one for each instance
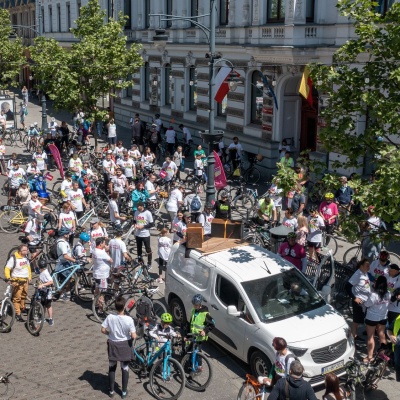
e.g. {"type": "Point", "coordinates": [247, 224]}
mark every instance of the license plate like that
{"type": "Point", "coordinates": [332, 367]}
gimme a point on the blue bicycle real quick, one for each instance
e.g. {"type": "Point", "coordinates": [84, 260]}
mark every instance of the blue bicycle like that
{"type": "Point", "coordinates": [166, 376]}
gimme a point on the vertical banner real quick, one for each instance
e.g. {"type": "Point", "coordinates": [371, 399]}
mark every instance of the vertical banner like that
{"type": "Point", "coordinates": [57, 158]}
{"type": "Point", "coordinates": [220, 178]}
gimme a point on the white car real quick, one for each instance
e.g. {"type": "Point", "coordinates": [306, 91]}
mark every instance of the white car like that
{"type": "Point", "coordinates": [253, 296]}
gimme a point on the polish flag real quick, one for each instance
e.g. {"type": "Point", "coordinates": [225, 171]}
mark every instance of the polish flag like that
{"type": "Point", "coordinates": [221, 83]}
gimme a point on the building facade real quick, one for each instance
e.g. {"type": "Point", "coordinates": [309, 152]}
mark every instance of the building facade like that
{"type": "Point", "coordinates": [267, 41]}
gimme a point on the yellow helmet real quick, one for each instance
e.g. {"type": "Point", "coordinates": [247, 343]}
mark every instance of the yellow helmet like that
{"type": "Point", "coordinates": [329, 196]}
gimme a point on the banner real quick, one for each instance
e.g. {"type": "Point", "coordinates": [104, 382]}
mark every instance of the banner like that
{"type": "Point", "coordinates": [57, 158]}
{"type": "Point", "coordinates": [219, 175]}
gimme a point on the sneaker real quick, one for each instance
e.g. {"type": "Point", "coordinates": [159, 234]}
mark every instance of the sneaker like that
{"type": "Point", "coordinates": [19, 318]}
{"type": "Point", "coordinates": [160, 280]}
{"type": "Point", "coordinates": [124, 394]}
{"type": "Point", "coordinates": [24, 311]}
{"type": "Point", "coordinates": [148, 267]}
{"type": "Point", "coordinates": [51, 322]}
{"type": "Point", "coordinates": [111, 394]}
{"type": "Point", "coordinates": [64, 297]}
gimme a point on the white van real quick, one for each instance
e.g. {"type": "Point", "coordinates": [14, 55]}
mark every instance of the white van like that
{"type": "Point", "coordinates": [253, 296]}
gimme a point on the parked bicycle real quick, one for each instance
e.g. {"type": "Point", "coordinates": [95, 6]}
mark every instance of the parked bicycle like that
{"type": "Point", "coordinates": [252, 389]}
{"type": "Point", "coordinates": [7, 310]}
{"type": "Point", "coordinates": [35, 319]}
{"type": "Point", "coordinates": [5, 385]}
{"type": "Point", "coordinates": [166, 375]}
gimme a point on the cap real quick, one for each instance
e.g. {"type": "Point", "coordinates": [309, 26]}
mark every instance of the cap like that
{"type": "Point", "coordinates": [94, 220]}
{"type": "Point", "coordinates": [153, 124]}
{"type": "Point", "coordinates": [394, 266]}
{"type": "Point", "coordinates": [187, 214]}
{"type": "Point", "coordinates": [140, 204]}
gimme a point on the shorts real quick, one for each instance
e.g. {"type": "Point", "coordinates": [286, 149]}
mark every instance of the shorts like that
{"type": "Point", "coordinates": [375, 323]}
{"type": "Point", "coordinates": [316, 245]}
{"type": "Point", "coordinates": [13, 192]}
{"type": "Point", "coordinates": [358, 313]}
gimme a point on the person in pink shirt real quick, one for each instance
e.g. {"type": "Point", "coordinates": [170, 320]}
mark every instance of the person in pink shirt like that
{"type": "Point", "coordinates": [329, 212]}
{"type": "Point", "coordinates": [293, 252]}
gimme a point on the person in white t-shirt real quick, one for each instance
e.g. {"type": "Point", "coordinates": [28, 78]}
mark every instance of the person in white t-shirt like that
{"type": "Point", "coordinates": [101, 264]}
{"type": "Point", "coordinates": [120, 330]}
{"type": "Point", "coordinates": [151, 190]}
{"type": "Point", "coordinates": [143, 222]}
{"type": "Point", "coordinates": [75, 164]}
{"type": "Point", "coordinates": [46, 282]}
{"type": "Point", "coordinates": [164, 250]}
{"type": "Point", "coordinates": [15, 177]}
{"type": "Point", "coordinates": [67, 220]}
{"type": "Point", "coordinates": [66, 186]}
{"type": "Point", "coordinates": [179, 227]}
{"type": "Point", "coordinates": [117, 248]}
{"type": "Point", "coordinates": [170, 168]}
{"type": "Point", "coordinates": [198, 166]}
{"type": "Point", "coordinates": [119, 150]}
{"type": "Point", "coordinates": [205, 219]}
{"type": "Point", "coordinates": [175, 201]}
{"type": "Point", "coordinates": [170, 138]}
{"type": "Point", "coordinates": [380, 266]}
{"type": "Point", "coordinates": [96, 230]}
{"type": "Point", "coordinates": [115, 217]}
{"type": "Point", "coordinates": [148, 158]}
{"type": "Point", "coordinates": [315, 226]}
{"type": "Point", "coordinates": [134, 153]}
{"type": "Point", "coordinates": [32, 169]}
{"type": "Point", "coordinates": [33, 232]}
{"type": "Point", "coordinates": [77, 200]}
{"type": "Point", "coordinates": [108, 169]}
{"type": "Point", "coordinates": [119, 182]}
{"type": "Point", "coordinates": [276, 196]}
{"type": "Point", "coordinates": [112, 133]}
{"type": "Point", "coordinates": [40, 157]}
{"type": "Point", "coordinates": [236, 152]}
{"type": "Point", "coordinates": [128, 167]}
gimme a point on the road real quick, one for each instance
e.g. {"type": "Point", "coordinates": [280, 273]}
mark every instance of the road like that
{"type": "Point", "coordinates": [69, 359]}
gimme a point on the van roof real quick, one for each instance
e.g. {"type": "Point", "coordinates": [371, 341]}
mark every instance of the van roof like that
{"type": "Point", "coordinates": [247, 262]}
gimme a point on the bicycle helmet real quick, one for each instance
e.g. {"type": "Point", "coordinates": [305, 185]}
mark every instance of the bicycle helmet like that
{"type": "Point", "coordinates": [329, 196]}
{"type": "Point", "coordinates": [291, 235]}
{"type": "Point", "coordinates": [42, 264]}
{"type": "Point", "coordinates": [64, 232]}
{"type": "Point", "coordinates": [166, 317]}
{"type": "Point", "coordinates": [197, 299]}
{"type": "Point", "coordinates": [84, 237]}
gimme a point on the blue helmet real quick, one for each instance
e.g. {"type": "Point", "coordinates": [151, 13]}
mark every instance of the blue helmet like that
{"type": "Point", "coordinates": [84, 237]}
{"type": "Point", "coordinates": [197, 299]}
{"type": "Point", "coordinates": [64, 232]}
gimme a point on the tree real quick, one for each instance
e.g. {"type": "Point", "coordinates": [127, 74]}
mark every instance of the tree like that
{"type": "Point", "coordinates": [11, 55]}
{"type": "Point", "coordinates": [99, 63]}
{"type": "Point", "coordinates": [363, 85]}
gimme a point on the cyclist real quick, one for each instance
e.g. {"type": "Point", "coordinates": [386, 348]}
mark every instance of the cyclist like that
{"type": "Point", "coordinates": [15, 175]}
{"type": "Point", "coordinates": [293, 252]}
{"type": "Point", "coordinates": [18, 270]}
{"type": "Point", "coordinates": [380, 266]}
{"type": "Point", "coordinates": [143, 222]}
{"type": "Point", "coordinates": [222, 207]}
{"type": "Point", "coordinates": [329, 212]}
{"type": "Point", "coordinates": [201, 322]}
{"type": "Point", "coordinates": [35, 207]}
{"type": "Point", "coordinates": [162, 331]}
{"type": "Point", "coordinates": [33, 232]}
{"type": "Point", "coordinates": [66, 186]}
{"type": "Point", "coordinates": [33, 134]}
{"type": "Point", "coordinates": [117, 248]}
{"type": "Point", "coordinates": [101, 264]}
{"type": "Point", "coordinates": [235, 150]}
{"type": "Point", "coordinates": [120, 330]}
{"type": "Point", "coordinates": [128, 167]}
{"type": "Point", "coordinates": [67, 219]}
{"type": "Point", "coordinates": [314, 237]}
{"type": "Point", "coordinates": [77, 200]}
{"type": "Point", "coordinates": [79, 250]}
{"type": "Point", "coordinates": [266, 209]}
{"type": "Point", "coordinates": [46, 282]}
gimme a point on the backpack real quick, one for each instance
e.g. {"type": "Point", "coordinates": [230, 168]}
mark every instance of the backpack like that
{"type": "Point", "coordinates": [26, 111]}
{"type": "Point", "coordinates": [74, 253]}
{"type": "Point", "coordinates": [195, 204]}
{"type": "Point", "coordinates": [53, 253]}
{"type": "Point", "coordinates": [144, 311]}
{"type": "Point", "coordinates": [154, 137]}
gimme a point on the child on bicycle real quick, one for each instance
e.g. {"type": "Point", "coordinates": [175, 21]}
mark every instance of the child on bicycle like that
{"type": "Point", "coordinates": [161, 332]}
{"type": "Point", "coordinates": [46, 282]}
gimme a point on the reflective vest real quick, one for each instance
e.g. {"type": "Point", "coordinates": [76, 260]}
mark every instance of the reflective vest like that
{"type": "Point", "coordinates": [197, 323]}
{"type": "Point", "coordinates": [396, 328]}
{"type": "Point", "coordinates": [266, 208]}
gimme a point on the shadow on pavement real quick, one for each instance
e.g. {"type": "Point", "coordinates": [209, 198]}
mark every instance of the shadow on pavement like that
{"type": "Point", "coordinates": [98, 381]}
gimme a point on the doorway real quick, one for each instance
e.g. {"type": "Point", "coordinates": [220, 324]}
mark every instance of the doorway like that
{"type": "Point", "coordinates": [309, 123]}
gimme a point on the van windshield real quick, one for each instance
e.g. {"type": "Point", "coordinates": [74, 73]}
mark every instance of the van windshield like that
{"type": "Point", "coordinates": [282, 296]}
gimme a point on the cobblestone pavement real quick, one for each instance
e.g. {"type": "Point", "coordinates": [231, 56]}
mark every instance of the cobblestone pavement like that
{"type": "Point", "coordinates": [69, 359]}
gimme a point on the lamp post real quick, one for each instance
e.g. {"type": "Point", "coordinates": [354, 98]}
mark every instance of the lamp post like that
{"type": "Point", "coordinates": [208, 136]}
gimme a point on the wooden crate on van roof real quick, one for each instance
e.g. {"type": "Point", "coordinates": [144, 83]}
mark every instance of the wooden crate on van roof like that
{"type": "Point", "coordinates": [214, 245]}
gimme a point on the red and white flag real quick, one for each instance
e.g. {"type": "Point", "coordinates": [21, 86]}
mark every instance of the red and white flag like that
{"type": "Point", "coordinates": [221, 84]}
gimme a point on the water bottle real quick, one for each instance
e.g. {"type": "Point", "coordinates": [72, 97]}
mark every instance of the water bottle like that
{"type": "Point", "coordinates": [131, 304]}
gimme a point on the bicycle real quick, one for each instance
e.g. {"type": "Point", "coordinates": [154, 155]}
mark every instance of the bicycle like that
{"type": "Point", "coordinates": [196, 365]}
{"type": "Point", "coordinates": [248, 171]}
{"type": "Point", "coordinates": [251, 389]}
{"type": "Point", "coordinates": [166, 375]}
{"type": "Point", "coordinates": [354, 254]}
{"type": "Point", "coordinates": [4, 380]}
{"type": "Point", "coordinates": [7, 310]}
{"type": "Point", "coordinates": [11, 218]}
{"type": "Point", "coordinates": [35, 319]}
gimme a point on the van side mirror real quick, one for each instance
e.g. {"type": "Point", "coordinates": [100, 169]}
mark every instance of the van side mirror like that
{"type": "Point", "coordinates": [233, 312]}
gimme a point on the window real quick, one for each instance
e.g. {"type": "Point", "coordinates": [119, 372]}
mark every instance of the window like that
{"type": "Point", "coordinates": [68, 17]}
{"type": "Point", "coordinates": [168, 11]}
{"type": "Point", "coordinates": [227, 292]}
{"type": "Point", "coordinates": [146, 72]}
{"type": "Point", "coordinates": [257, 87]}
{"type": "Point", "coordinates": [129, 88]}
{"type": "Point", "coordinates": [192, 88]}
{"type": "Point", "coordinates": [128, 12]}
{"type": "Point", "coordinates": [167, 84]}
{"type": "Point", "coordinates": [78, 6]}
{"type": "Point", "coordinates": [42, 17]}
{"type": "Point", "coordinates": [194, 8]}
{"type": "Point", "coordinates": [384, 6]}
{"type": "Point", "coordinates": [310, 10]}
{"type": "Point", "coordinates": [223, 12]}
{"type": "Point", "coordinates": [146, 14]}
{"type": "Point", "coordinates": [276, 11]}
{"type": "Point", "coordinates": [58, 18]}
{"type": "Point", "coordinates": [50, 19]}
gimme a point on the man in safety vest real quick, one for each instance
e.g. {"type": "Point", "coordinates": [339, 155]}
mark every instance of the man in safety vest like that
{"type": "Point", "coordinates": [266, 209]}
{"type": "Point", "coordinates": [394, 336]}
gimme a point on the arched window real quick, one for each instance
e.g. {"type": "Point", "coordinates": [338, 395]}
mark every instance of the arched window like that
{"type": "Point", "coordinates": [257, 87]}
{"type": "Point", "coordinates": [192, 88]}
{"type": "Point", "coordinates": [146, 81]}
{"type": "Point", "coordinates": [167, 79]}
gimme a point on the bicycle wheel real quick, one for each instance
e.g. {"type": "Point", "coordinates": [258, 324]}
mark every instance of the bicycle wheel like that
{"type": "Point", "coordinates": [104, 306]}
{"type": "Point", "coordinates": [84, 287]}
{"type": "Point", "coordinates": [56, 187]}
{"type": "Point", "coordinates": [252, 176]}
{"type": "Point", "coordinates": [35, 320]}
{"type": "Point", "coordinates": [243, 204]}
{"type": "Point", "coordinates": [8, 139]}
{"type": "Point", "coordinates": [254, 238]}
{"type": "Point", "coordinates": [19, 141]}
{"type": "Point", "coordinates": [352, 256]}
{"type": "Point", "coordinates": [331, 243]}
{"type": "Point", "coordinates": [10, 221]}
{"type": "Point", "coordinates": [158, 309]}
{"type": "Point", "coordinates": [139, 345]}
{"type": "Point", "coordinates": [247, 392]}
{"type": "Point", "coordinates": [167, 382]}
{"type": "Point", "coordinates": [159, 224]}
{"type": "Point", "coordinates": [198, 374]}
{"type": "Point", "coordinates": [374, 375]}
{"type": "Point", "coordinates": [7, 316]}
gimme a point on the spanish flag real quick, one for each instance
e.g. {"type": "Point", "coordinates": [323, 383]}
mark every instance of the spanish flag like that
{"type": "Point", "coordinates": [306, 86]}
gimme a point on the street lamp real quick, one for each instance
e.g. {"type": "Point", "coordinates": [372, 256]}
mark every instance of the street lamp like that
{"type": "Point", "coordinates": [209, 136]}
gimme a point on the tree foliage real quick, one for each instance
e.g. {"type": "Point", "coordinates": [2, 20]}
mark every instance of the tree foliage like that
{"type": "Point", "coordinates": [11, 54]}
{"type": "Point", "coordinates": [363, 113]}
{"type": "Point", "coordinates": [98, 62]}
